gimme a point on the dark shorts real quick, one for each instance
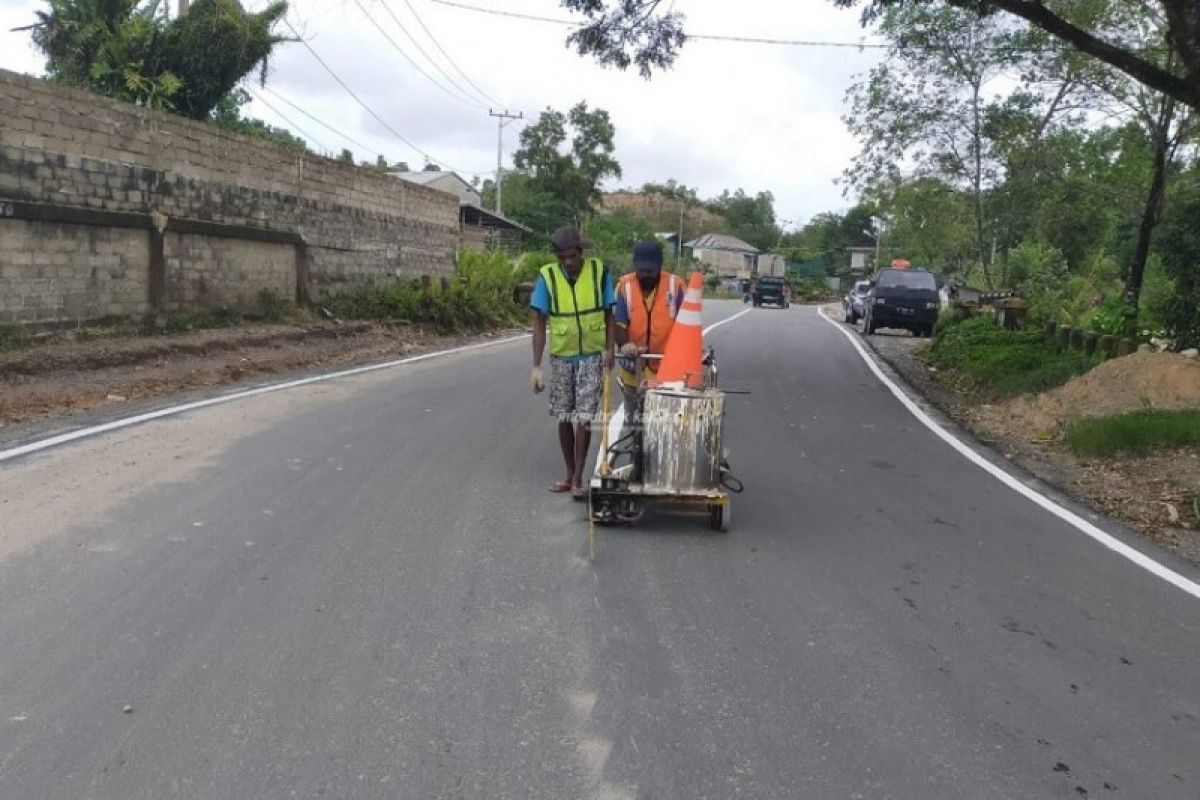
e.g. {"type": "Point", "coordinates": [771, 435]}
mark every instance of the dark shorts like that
{"type": "Point", "coordinates": [575, 388]}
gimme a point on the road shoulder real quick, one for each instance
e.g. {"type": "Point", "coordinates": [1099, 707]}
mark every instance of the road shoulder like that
{"type": "Point", "coordinates": [1148, 495]}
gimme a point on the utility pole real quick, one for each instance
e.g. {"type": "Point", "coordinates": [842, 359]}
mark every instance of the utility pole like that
{"type": "Point", "coordinates": [183, 6]}
{"type": "Point", "coordinates": [679, 244]}
{"type": "Point", "coordinates": [504, 119]}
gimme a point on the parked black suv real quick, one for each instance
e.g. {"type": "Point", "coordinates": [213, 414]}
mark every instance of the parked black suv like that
{"type": "Point", "coordinates": [902, 298]}
{"type": "Point", "coordinates": [770, 289]}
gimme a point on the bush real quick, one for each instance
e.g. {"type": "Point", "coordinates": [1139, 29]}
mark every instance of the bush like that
{"type": "Point", "coordinates": [945, 321]}
{"type": "Point", "coordinates": [480, 295]}
{"type": "Point", "coordinates": [270, 306]}
{"type": "Point", "coordinates": [1138, 432]}
{"type": "Point", "coordinates": [1002, 361]}
{"type": "Point", "coordinates": [1108, 318]}
{"type": "Point", "coordinates": [528, 265]}
{"type": "Point", "coordinates": [1039, 273]}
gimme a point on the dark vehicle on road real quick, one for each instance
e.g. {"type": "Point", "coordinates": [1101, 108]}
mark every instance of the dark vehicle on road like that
{"type": "Point", "coordinates": [771, 289]}
{"type": "Point", "coordinates": [902, 298]}
{"type": "Point", "coordinates": [854, 304]}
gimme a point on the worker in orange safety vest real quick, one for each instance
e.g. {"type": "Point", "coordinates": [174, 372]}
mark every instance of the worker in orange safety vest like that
{"type": "Point", "coordinates": [648, 299]}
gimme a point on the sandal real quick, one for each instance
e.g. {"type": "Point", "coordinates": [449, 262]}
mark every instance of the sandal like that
{"type": "Point", "coordinates": [579, 494]}
{"type": "Point", "coordinates": [561, 486]}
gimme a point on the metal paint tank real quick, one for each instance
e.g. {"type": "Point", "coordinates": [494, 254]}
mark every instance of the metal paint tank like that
{"type": "Point", "coordinates": [681, 440]}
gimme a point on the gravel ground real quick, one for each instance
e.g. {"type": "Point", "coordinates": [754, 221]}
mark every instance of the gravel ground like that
{"type": "Point", "coordinates": [66, 377]}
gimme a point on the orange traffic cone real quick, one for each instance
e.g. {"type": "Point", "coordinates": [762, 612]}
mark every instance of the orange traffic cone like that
{"type": "Point", "coordinates": [685, 346]}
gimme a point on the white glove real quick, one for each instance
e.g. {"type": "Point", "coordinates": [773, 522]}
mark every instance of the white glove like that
{"type": "Point", "coordinates": [537, 381]}
{"type": "Point", "coordinates": [630, 350]}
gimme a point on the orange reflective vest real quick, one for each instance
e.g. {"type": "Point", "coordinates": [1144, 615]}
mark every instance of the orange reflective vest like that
{"type": "Point", "coordinates": [650, 326]}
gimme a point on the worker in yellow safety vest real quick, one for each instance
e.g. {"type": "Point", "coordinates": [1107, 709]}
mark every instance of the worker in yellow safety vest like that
{"type": "Point", "coordinates": [574, 298]}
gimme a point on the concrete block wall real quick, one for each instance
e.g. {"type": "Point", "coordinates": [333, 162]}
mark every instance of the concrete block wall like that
{"type": "Point", "coordinates": [206, 272]}
{"type": "Point", "coordinates": [56, 272]}
{"type": "Point", "coordinates": [63, 148]}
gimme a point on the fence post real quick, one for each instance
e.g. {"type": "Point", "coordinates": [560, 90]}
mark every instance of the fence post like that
{"type": "Point", "coordinates": [1050, 330]}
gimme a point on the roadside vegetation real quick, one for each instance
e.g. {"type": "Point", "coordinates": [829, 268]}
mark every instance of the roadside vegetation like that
{"type": "Point", "coordinates": [1004, 363]}
{"type": "Point", "coordinates": [1136, 432]}
{"type": "Point", "coordinates": [481, 294]}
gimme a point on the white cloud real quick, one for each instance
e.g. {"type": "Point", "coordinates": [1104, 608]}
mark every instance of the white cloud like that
{"type": "Point", "coordinates": [729, 115]}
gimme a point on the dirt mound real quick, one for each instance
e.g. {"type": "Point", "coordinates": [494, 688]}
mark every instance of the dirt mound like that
{"type": "Point", "coordinates": [1137, 381]}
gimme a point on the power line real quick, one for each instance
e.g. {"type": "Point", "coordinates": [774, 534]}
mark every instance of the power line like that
{"type": "Point", "coordinates": [321, 122]}
{"type": "Point", "coordinates": [457, 96]}
{"type": "Point", "coordinates": [450, 78]}
{"type": "Point", "coordinates": [370, 110]}
{"type": "Point", "coordinates": [442, 50]}
{"type": "Point", "coordinates": [283, 117]}
{"type": "Point", "coordinates": [697, 36]}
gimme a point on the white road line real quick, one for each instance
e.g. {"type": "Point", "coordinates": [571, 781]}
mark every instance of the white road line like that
{"type": "Point", "coordinates": [724, 321]}
{"type": "Point", "coordinates": [83, 433]}
{"type": "Point", "coordinates": [1071, 518]}
{"type": "Point", "coordinates": [96, 430]}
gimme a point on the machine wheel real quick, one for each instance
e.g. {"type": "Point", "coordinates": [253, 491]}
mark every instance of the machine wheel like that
{"type": "Point", "coordinates": [720, 515]}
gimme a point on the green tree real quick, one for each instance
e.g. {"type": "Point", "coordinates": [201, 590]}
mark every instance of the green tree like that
{"type": "Point", "coordinates": [649, 33]}
{"type": "Point", "coordinates": [528, 203]}
{"type": "Point", "coordinates": [131, 51]}
{"type": "Point", "coordinates": [614, 235]}
{"type": "Point", "coordinates": [566, 157]}
{"type": "Point", "coordinates": [750, 218]}
{"type": "Point", "coordinates": [929, 102]}
{"type": "Point", "coordinates": [672, 188]}
{"type": "Point", "coordinates": [929, 224]}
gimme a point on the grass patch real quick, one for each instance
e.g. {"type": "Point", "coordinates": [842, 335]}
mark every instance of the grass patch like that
{"type": "Point", "coordinates": [1005, 362]}
{"type": "Point", "coordinates": [1135, 432]}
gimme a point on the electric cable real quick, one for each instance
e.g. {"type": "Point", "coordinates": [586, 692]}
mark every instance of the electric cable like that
{"type": "Point", "coordinates": [289, 123]}
{"type": "Point", "coordinates": [372, 112]}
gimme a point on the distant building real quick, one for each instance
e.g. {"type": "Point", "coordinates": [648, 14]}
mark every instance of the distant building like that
{"type": "Point", "coordinates": [726, 256]}
{"type": "Point", "coordinates": [480, 228]}
{"type": "Point", "coordinates": [862, 263]}
{"type": "Point", "coordinates": [861, 260]}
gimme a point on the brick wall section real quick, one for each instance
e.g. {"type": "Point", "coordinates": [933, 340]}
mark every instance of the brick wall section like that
{"type": "Point", "coordinates": [50, 271]}
{"type": "Point", "coordinates": [70, 147]}
{"type": "Point", "coordinates": [205, 272]}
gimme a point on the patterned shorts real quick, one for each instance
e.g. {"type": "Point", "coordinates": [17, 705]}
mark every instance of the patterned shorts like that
{"type": "Point", "coordinates": [575, 388]}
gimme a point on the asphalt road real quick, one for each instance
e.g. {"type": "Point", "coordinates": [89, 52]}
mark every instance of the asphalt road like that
{"type": "Point", "coordinates": [363, 589]}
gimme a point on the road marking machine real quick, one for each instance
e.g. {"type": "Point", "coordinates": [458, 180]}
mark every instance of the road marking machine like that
{"type": "Point", "coordinates": [663, 444]}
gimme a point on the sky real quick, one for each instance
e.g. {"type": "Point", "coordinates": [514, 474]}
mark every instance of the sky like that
{"type": "Point", "coordinates": [729, 115]}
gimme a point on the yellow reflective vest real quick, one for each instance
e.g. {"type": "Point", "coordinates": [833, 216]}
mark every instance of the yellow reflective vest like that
{"type": "Point", "coordinates": [577, 325]}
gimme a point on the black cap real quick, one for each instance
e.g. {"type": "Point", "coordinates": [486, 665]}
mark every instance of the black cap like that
{"type": "Point", "coordinates": [647, 256]}
{"type": "Point", "coordinates": [566, 238]}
